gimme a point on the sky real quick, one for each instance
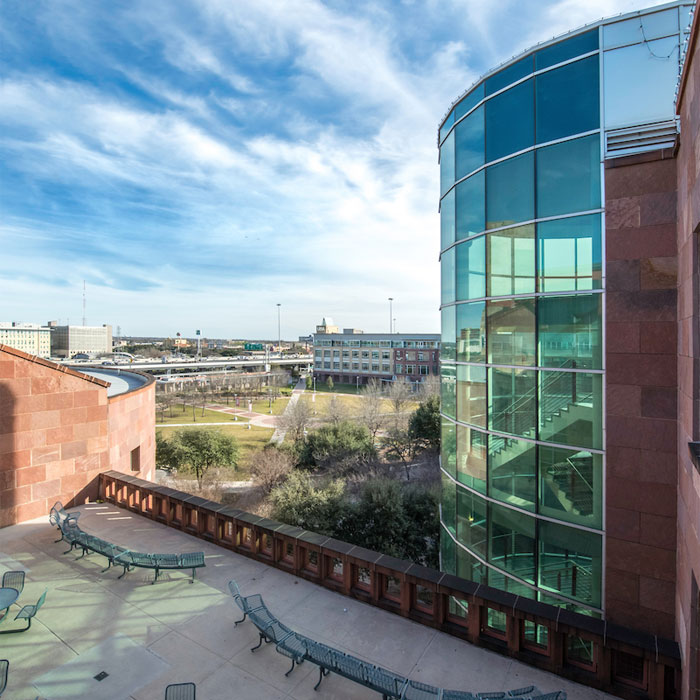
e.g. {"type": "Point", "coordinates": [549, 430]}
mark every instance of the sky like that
{"type": "Point", "coordinates": [197, 162]}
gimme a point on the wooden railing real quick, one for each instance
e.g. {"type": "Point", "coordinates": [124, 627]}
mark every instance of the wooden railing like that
{"type": "Point", "coordinates": [609, 657]}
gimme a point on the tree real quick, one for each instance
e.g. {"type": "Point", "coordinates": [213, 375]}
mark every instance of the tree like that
{"type": "Point", "coordinates": [399, 394]}
{"type": "Point", "coordinates": [200, 450]}
{"type": "Point", "coordinates": [336, 411]}
{"type": "Point", "coordinates": [370, 410]}
{"type": "Point", "coordinates": [270, 467]}
{"type": "Point", "coordinates": [343, 446]}
{"type": "Point", "coordinates": [424, 424]}
{"type": "Point", "coordinates": [429, 387]}
{"type": "Point", "coordinates": [299, 502]}
{"type": "Point", "coordinates": [167, 455]}
{"type": "Point", "coordinates": [309, 382]}
{"type": "Point", "coordinates": [295, 419]}
{"type": "Point", "coordinates": [329, 383]}
{"type": "Point", "coordinates": [402, 446]}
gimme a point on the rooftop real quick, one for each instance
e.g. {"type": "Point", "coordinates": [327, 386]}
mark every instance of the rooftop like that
{"type": "Point", "coordinates": [146, 636]}
{"type": "Point", "coordinates": [120, 381]}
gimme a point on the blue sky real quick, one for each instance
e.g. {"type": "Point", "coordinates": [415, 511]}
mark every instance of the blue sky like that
{"type": "Point", "coordinates": [199, 161]}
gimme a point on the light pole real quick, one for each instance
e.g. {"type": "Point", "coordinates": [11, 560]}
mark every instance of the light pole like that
{"type": "Point", "coordinates": [391, 312]}
{"type": "Point", "coordinates": [279, 332]}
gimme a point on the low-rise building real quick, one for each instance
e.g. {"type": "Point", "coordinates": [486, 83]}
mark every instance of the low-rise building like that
{"type": "Point", "coordinates": [67, 341]}
{"type": "Point", "coordinates": [27, 337]}
{"type": "Point", "coordinates": [354, 357]}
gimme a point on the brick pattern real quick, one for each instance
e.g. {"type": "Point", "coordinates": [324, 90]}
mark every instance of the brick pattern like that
{"type": "Point", "coordinates": [58, 430]}
{"type": "Point", "coordinates": [641, 384]}
{"type": "Point", "coordinates": [688, 504]}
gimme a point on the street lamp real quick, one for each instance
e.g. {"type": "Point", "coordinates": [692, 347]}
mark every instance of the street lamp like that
{"type": "Point", "coordinates": [279, 333]}
{"type": "Point", "coordinates": [391, 313]}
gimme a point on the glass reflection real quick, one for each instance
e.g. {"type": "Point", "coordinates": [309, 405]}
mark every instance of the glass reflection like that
{"type": "Point", "coordinates": [511, 261]}
{"type": "Point", "coordinates": [471, 332]}
{"type": "Point", "coordinates": [512, 401]}
{"type": "Point", "coordinates": [449, 503]}
{"type": "Point", "coordinates": [447, 220]}
{"type": "Point", "coordinates": [511, 332]}
{"type": "Point", "coordinates": [447, 554]}
{"type": "Point", "coordinates": [471, 269]}
{"type": "Point", "coordinates": [447, 163]}
{"type": "Point", "coordinates": [470, 206]}
{"type": "Point", "coordinates": [447, 342]}
{"type": "Point", "coordinates": [510, 191]}
{"type": "Point", "coordinates": [564, 50]}
{"type": "Point", "coordinates": [471, 458]}
{"type": "Point", "coordinates": [448, 443]}
{"type": "Point", "coordinates": [509, 75]}
{"type": "Point", "coordinates": [512, 542]}
{"type": "Point", "coordinates": [471, 522]}
{"type": "Point", "coordinates": [469, 101]}
{"type": "Point", "coordinates": [471, 394]}
{"type": "Point", "coordinates": [469, 567]}
{"type": "Point", "coordinates": [504, 134]}
{"type": "Point", "coordinates": [512, 471]}
{"type": "Point", "coordinates": [447, 266]}
{"type": "Point", "coordinates": [448, 389]}
{"type": "Point", "coordinates": [469, 143]}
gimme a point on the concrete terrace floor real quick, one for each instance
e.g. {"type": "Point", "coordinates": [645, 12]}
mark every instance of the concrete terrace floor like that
{"type": "Point", "coordinates": [146, 636]}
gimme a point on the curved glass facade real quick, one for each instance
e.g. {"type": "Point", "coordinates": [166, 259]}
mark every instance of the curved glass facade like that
{"type": "Point", "coordinates": [522, 333]}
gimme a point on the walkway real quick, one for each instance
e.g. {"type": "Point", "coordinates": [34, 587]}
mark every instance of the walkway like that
{"type": "Point", "coordinates": [278, 435]}
{"type": "Point", "coordinates": [146, 636]}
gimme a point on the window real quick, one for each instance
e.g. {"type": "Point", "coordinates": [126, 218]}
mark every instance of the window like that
{"type": "Point", "coordinates": [423, 369]}
{"type": "Point", "coordinates": [471, 269]}
{"type": "Point", "coordinates": [469, 101]}
{"type": "Point", "coordinates": [512, 401]}
{"type": "Point", "coordinates": [386, 355]}
{"type": "Point", "coordinates": [410, 369]}
{"type": "Point", "coordinates": [448, 504]}
{"type": "Point", "coordinates": [471, 332]}
{"type": "Point", "coordinates": [365, 354]}
{"type": "Point", "coordinates": [421, 356]}
{"type": "Point", "coordinates": [471, 394]}
{"type": "Point", "coordinates": [375, 367]}
{"type": "Point", "coordinates": [447, 267]}
{"type": "Point", "coordinates": [469, 143]}
{"type": "Point", "coordinates": [506, 204]}
{"type": "Point", "coordinates": [375, 354]}
{"type": "Point", "coordinates": [471, 522]}
{"type": "Point", "coordinates": [356, 365]}
{"type": "Point", "coordinates": [346, 365]}
{"type": "Point", "coordinates": [346, 354]}
{"type": "Point", "coordinates": [336, 365]}
{"type": "Point", "coordinates": [508, 75]}
{"type": "Point", "coordinates": [386, 367]}
{"type": "Point", "coordinates": [336, 353]}
{"type": "Point", "coordinates": [511, 331]}
{"type": "Point", "coordinates": [569, 254]}
{"type": "Point", "coordinates": [136, 459]}
{"type": "Point", "coordinates": [568, 100]}
{"type": "Point", "coordinates": [568, 177]}
{"type": "Point", "coordinates": [471, 458]}
{"type": "Point", "coordinates": [512, 542]}
{"type": "Point", "coordinates": [447, 220]}
{"type": "Point", "coordinates": [504, 134]}
{"type": "Point", "coordinates": [569, 331]}
{"type": "Point", "coordinates": [511, 261]}
{"type": "Point", "coordinates": [411, 356]}
{"type": "Point", "coordinates": [365, 366]}
{"type": "Point", "coordinates": [447, 163]}
{"type": "Point", "coordinates": [564, 50]}
{"type": "Point", "coordinates": [469, 206]}
{"type": "Point", "coordinates": [448, 386]}
{"type": "Point", "coordinates": [399, 369]}
{"type": "Point", "coordinates": [512, 471]}
{"type": "Point", "coordinates": [448, 441]}
{"type": "Point", "coordinates": [355, 353]}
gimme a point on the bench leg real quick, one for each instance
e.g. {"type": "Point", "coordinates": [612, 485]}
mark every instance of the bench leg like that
{"type": "Point", "coordinates": [155, 578]}
{"type": "Point", "coordinates": [72, 547]}
{"type": "Point", "coordinates": [192, 581]}
{"type": "Point", "coordinates": [241, 620]}
{"type": "Point", "coordinates": [109, 566]}
{"type": "Point", "coordinates": [291, 669]}
{"type": "Point", "coordinates": [262, 638]}
{"type": "Point", "coordinates": [126, 568]}
{"type": "Point", "coordinates": [322, 672]}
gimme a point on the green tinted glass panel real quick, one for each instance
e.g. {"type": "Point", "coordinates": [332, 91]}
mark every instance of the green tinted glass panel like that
{"type": "Point", "coordinates": [512, 401]}
{"type": "Point", "coordinates": [571, 485]}
{"type": "Point", "coordinates": [511, 332]}
{"type": "Point", "coordinates": [509, 75]}
{"type": "Point", "coordinates": [512, 542]}
{"type": "Point", "coordinates": [570, 562]}
{"type": "Point", "coordinates": [564, 50]}
{"type": "Point", "coordinates": [447, 344]}
{"type": "Point", "coordinates": [535, 634]}
{"type": "Point", "coordinates": [568, 177]}
{"type": "Point", "coordinates": [471, 269]}
{"type": "Point", "coordinates": [471, 332]}
{"type": "Point", "coordinates": [448, 446]}
{"type": "Point", "coordinates": [510, 191]}
{"type": "Point", "coordinates": [570, 408]}
{"type": "Point", "coordinates": [469, 567]}
{"type": "Point", "coordinates": [447, 220]}
{"type": "Point", "coordinates": [448, 388]}
{"type": "Point", "coordinates": [471, 458]}
{"type": "Point", "coordinates": [496, 619]}
{"type": "Point", "coordinates": [471, 522]}
{"type": "Point", "coordinates": [569, 254]}
{"type": "Point", "coordinates": [447, 266]}
{"type": "Point", "coordinates": [506, 583]}
{"type": "Point", "coordinates": [512, 471]}
{"type": "Point", "coordinates": [569, 331]}
{"type": "Point", "coordinates": [511, 261]}
{"type": "Point", "coordinates": [469, 143]}
{"type": "Point", "coordinates": [471, 394]}
{"type": "Point", "coordinates": [469, 101]}
{"type": "Point", "coordinates": [449, 503]}
{"type": "Point", "coordinates": [446, 125]}
{"type": "Point", "coordinates": [568, 100]}
{"type": "Point", "coordinates": [504, 133]}
{"type": "Point", "coordinates": [448, 563]}
{"type": "Point", "coordinates": [470, 206]}
{"type": "Point", "coordinates": [447, 163]}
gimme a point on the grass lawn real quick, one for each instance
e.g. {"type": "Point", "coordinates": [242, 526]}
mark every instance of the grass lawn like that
{"type": "Point", "coordinates": [180, 416]}
{"type": "Point", "coordinates": [351, 403]}
{"type": "Point", "coordinates": [249, 442]}
{"type": "Point", "coordinates": [262, 405]}
{"type": "Point", "coordinates": [337, 388]}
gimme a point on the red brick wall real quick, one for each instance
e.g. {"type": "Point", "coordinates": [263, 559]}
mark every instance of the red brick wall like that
{"type": "Point", "coordinates": [641, 399]}
{"type": "Point", "coordinates": [58, 431]}
{"type": "Point", "coordinates": [688, 504]}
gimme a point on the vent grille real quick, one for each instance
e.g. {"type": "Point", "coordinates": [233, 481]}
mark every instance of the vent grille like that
{"type": "Point", "coordinates": [641, 138]}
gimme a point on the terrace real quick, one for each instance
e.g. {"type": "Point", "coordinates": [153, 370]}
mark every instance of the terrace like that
{"type": "Point", "coordinates": [146, 636]}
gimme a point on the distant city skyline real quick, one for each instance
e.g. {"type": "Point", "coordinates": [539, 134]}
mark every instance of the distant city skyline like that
{"type": "Point", "coordinates": [198, 163]}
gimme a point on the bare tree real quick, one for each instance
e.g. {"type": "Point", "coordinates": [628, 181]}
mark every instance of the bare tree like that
{"type": "Point", "coordinates": [400, 393]}
{"type": "Point", "coordinates": [402, 446]}
{"type": "Point", "coordinates": [336, 411]}
{"type": "Point", "coordinates": [270, 468]}
{"type": "Point", "coordinates": [295, 419]}
{"type": "Point", "coordinates": [429, 387]}
{"type": "Point", "coordinates": [370, 409]}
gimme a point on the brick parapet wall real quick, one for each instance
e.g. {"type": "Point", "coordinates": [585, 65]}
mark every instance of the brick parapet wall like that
{"type": "Point", "coordinates": [641, 391]}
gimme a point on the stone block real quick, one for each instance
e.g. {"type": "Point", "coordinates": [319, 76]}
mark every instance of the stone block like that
{"type": "Point", "coordinates": [658, 273]}
{"type": "Point", "coordinates": [658, 530]}
{"type": "Point", "coordinates": [659, 402]}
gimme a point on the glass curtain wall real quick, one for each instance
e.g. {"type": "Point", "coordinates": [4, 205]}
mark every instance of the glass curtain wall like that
{"type": "Point", "coordinates": [522, 360]}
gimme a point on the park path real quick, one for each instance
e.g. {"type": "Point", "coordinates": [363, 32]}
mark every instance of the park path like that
{"type": "Point", "coordinates": [278, 435]}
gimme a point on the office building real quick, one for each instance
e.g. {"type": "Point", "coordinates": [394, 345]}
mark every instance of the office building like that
{"type": "Point", "coordinates": [562, 263]}
{"type": "Point", "coordinates": [67, 341]}
{"type": "Point", "coordinates": [27, 337]}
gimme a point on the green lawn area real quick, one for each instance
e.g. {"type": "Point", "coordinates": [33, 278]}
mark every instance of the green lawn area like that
{"type": "Point", "coordinates": [337, 388]}
{"type": "Point", "coordinates": [180, 416]}
{"type": "Point", "coordinates": [249, 441]}
{"type": "Point", "coordinates": [351, 403]}
{"type": "Point", "coordinates": [262, 405]}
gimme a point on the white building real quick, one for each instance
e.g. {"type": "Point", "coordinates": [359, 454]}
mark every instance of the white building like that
{"type": "Point", "coordinates": [67, 341]}
{"type": "Point", "coordinates": [27, 337]}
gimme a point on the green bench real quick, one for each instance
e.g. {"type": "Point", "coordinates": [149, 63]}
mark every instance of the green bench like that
{"type": "Point", "coordinates": [160, 562]}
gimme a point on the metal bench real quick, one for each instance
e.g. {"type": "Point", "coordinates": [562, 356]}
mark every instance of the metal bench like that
{"type": "Point", "coordinates": [4, 670]}
{"type": "Point", "coordinates": [13, 579]}
{"type": "Point", "coordinates": [27, 613]}
{"type": "Point", "coordinates": [414, 690]}
{"type": "Point", "coordinates": [129, 559]}
{"type": "Point", "coordinates": [245, 603]}
{"type": "Point", "coordinates": [181, 691]}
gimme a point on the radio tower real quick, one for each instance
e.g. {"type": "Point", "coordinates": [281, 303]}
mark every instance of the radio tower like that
{"type": "Point", "coordinates": [84, 323]}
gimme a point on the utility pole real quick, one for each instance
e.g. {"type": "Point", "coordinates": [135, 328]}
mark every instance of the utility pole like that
{"type": "Point", "coordinates": [391, 312]}
{"type": "Point", "coordinates": [279, 332]}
